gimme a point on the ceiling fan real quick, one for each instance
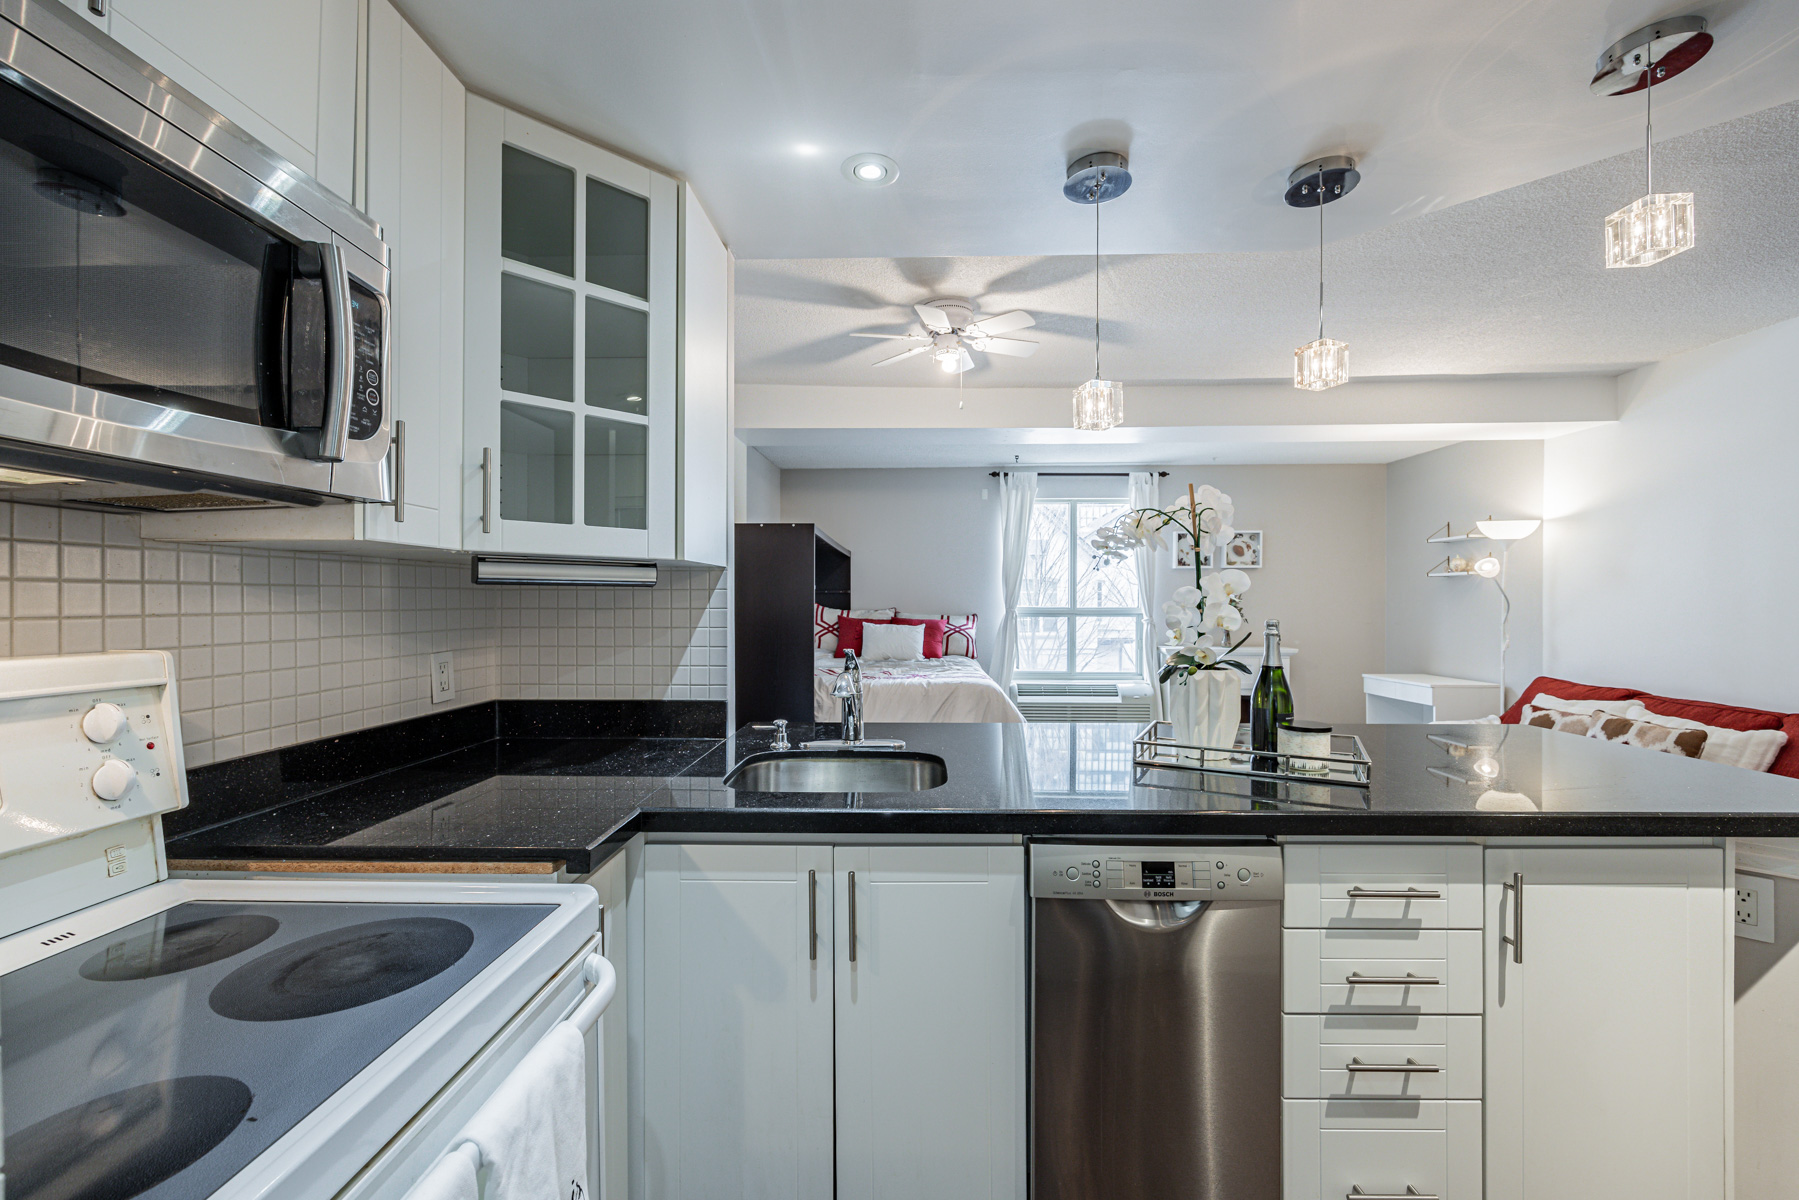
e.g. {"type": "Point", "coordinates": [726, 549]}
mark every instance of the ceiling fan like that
{"type": "Point", "coordinates": [951, 331]}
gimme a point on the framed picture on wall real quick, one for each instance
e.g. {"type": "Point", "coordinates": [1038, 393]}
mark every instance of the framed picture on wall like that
{"type": "Point", "coordinates": [1245, 550]}
{"type": "Point", "coordinates": [1181, 552]}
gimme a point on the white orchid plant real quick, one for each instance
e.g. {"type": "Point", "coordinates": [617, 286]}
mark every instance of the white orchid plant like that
{"type": "Point", "coordinates": [1213, 603]}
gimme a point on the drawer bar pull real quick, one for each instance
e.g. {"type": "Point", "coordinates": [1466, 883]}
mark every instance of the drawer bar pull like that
{"type": "Point", "coordinates": [1406, 980]}
{"type": "Point", "coordinates": [1410, 1193]}
{"type": "Point", "coordinates": [1412, 1067]}
{"type": "Point", "coordinates": [1411, 893]}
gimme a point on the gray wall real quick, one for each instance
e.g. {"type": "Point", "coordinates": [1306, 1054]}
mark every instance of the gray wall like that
{"type": "Point", "coordinates": [761, 487]}
{"type": "Point", "coordinates": [1451, 626]}
{"type": "Point", "coordinates": [926, 540]}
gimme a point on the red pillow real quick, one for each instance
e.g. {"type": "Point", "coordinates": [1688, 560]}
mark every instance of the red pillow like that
{"type": "Point", "coordinates": [934, 632]}
{"type": "Point", "coordinates": [849, 633]}
{"type": "Point", "coordinates": [1562, 689]}
{"type": "Point", "coordinates": [1724, 716]}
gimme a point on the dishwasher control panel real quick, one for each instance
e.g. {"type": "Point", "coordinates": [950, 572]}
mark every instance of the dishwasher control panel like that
{"type": "Point", "coordinates": [1132, 872]}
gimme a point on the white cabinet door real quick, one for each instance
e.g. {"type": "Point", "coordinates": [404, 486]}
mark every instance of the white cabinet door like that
{"type": "Point", "coordinates": [737, 1022]}
{"type": "Point", "coordinates": [1606, 1043]}
{"type": "Point", "coordinates": [930, 1022]}
{"type": "Point", "coordinates": [415, 178]}
{"type": "Point", "coordinates": [283, 70]}
{"type": "Point", "coordinates": [705, 517]}
{"type": "Point", "coordinates": [570, 407]}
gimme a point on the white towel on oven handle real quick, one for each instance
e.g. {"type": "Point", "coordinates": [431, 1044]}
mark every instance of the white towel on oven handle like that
{"type": "Point", "coordinates": [532, 1132]}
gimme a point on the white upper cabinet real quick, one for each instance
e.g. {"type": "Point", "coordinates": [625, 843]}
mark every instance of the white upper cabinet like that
{"type": "Point", "coordinates": [282, 70]}
{"type": "Point", "coordinates": [570, 342]}
{"type": "Point", "coordinates": [415, 175]}
{"type": "Point", "coordinates": [1607, 1028]}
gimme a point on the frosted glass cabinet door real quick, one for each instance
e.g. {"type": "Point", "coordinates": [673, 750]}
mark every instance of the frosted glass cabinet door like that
{"type": "Point", "coordinates": [737, 1023]}
{"type": "Point", "coordinates": [1605, 1058]}
{"type": "Point", "coordinates": [930, 1023]}
{"type": "Point", "coordinates": [571, 345]}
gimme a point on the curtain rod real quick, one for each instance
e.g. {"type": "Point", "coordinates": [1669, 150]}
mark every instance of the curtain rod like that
{"type": "Point", "coordinates": [1077, 474]}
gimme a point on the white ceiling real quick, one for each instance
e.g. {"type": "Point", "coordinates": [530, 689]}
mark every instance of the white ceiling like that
{"type": "Point", "coordinates": [1507, 283]}
{"type": "Point", "coordinates": [983, 105]}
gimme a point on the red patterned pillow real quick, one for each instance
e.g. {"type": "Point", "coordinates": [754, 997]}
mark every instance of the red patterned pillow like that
{"type": "Point", "coordinates": [934, 632]}
{"type": "Point", "coordinates": [824, 627]}
{"type": "Point", "coordinates": [958, 631]}
{"type": "Point", "coordinates": [849, 632]}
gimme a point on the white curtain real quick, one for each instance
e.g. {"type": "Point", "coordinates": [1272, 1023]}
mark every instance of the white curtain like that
{"type": "Point", "coordinates": [1146, 493]}
{"type": "Point", "coordinates": [1017, 495]}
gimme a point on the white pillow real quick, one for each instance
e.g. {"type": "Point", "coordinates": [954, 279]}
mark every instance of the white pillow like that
{"type": "Point", "coordinates": [892, 643]}
{"type": "Point", "coordinates": [1751, 749]}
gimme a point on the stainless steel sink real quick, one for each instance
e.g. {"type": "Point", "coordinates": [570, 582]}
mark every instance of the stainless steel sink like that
{"type": "Point", "coordinates": [838, 771]}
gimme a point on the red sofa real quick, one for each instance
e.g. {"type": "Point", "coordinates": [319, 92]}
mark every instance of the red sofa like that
{"type": "Point", "coordinates": [1722, 715]}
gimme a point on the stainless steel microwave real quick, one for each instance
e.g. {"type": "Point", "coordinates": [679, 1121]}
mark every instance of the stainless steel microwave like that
{"type": "Point", "coordinates": [186, 319]}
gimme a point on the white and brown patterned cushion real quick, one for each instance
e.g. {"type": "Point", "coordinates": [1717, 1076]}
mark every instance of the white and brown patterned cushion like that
{"type": "Point", "coordinates": [958, 635]}
{"type": "Point", "coordinates": [1751, 749]}
{"type": "Point", "coordinates": [1634, 731]}
{"type": "Point", "coordinates": [1560, 719]}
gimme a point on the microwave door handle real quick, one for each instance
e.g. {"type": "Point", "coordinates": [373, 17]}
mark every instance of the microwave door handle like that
{"type": "Point", "coordinates": [340, 366]}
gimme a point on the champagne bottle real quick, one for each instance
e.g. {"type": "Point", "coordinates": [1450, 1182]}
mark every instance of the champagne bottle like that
{"type": "Point", "coordinates": [1272, 701]}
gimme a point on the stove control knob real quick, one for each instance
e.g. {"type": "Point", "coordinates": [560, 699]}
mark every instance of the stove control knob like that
{"type": "Point", "coordinates": [102, 723]}
{"type": "Point", "coordinates": [114, 779]}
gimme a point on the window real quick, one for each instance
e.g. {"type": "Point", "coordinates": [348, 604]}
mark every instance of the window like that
{"type": "Point", "coordinates": [1076, 617]}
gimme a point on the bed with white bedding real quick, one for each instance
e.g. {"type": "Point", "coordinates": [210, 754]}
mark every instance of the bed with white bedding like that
{"type": "Point", "coordinates": [951, 688]}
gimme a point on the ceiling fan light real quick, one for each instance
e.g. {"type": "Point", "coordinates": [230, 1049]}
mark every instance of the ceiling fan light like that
{"type": "Point", "coordinates": [1099, 405]}
{"type": "Point", "coordinates": [1655, 227]}
{"type": "Point", "coordinates": [1321, 364]}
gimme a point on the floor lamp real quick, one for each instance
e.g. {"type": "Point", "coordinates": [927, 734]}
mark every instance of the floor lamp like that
{"type": "Point", "coordinates": [1493, 567]}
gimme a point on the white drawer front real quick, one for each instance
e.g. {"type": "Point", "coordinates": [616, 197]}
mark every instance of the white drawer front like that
{"type": "Point", "coordinates": [1335, 970]}
{"type": "Point", "coordinates": [1320, 1050]}
{"type": "Point", "coordinates": [1333, 1148]}
{"type": "Point", "coordinates": [1353, 886]}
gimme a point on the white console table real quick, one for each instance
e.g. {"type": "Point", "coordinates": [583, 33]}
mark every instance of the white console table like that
{"type": "Point", "coordinates": [1422, 699]}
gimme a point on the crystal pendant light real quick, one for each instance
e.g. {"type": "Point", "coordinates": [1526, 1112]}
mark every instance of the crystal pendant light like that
{"type": "Point", "coordinates": [1656, 226]}
{"type": "Point", "coordinates": [1323, 363]}
{"type": "Point", "coordinates": [1098, 403]}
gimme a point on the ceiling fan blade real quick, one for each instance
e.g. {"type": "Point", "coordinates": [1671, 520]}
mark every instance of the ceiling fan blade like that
{"type": "Point", "coordinates": [900, 336]}
{"type": "Point", "coordinates": [933, 318]}
{"type": "Point", "coordinates": [1012, 346]}
{"type": "Point", "coordinates": [964, 363]}
{"type": "Point", "coordinates": [903, 354]}
{"type": "Point", "coordinates": [1003, 323]}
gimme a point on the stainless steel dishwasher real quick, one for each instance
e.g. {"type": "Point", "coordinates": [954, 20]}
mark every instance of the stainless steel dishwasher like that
{"type": "Point", "coordinates": [1156, 1026]}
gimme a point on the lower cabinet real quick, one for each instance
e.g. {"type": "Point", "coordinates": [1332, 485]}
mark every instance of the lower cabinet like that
{"type": "Point", "coordinates": [834, 1021]}
{"type": "Point", "coordinates": [1607, 1023]}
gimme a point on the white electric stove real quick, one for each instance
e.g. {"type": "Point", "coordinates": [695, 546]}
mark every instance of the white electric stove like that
{"type": "Point", "coordinates": [229, 1038]}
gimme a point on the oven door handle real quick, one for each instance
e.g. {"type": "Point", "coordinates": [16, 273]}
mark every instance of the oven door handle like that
{"type": "Point", "coordinates": [340, 363]}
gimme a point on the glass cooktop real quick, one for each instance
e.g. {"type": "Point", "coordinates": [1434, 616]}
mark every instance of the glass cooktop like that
{"type": "Point", "coordinates": [160, 1060]}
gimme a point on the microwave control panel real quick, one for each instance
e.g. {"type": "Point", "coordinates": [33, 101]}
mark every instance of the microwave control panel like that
{"type": "Point", "coordinates": [1132, 872]}
{"type": "Point", "coordinates": [371, 384]}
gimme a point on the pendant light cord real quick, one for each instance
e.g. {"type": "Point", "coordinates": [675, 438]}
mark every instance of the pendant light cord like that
{"type": "Point", "coordinates": [1096, 203]}
{"type": "Point", "coordinates": [1321, 252]}
{"type": "Point", "coordinates": [1649, 124]}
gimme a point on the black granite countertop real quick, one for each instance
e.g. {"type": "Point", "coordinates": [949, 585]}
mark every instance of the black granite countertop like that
{"type": "Point", "coordinates": [537, 798]}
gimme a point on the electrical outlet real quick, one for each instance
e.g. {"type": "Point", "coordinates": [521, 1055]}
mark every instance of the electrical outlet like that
{"type": "Point", "coordinates": [1755, 907]}
{"type": "Point", "coordinates": [443, 677]}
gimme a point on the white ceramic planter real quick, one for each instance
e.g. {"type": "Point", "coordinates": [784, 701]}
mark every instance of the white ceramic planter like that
{"type": "Point", "coordinates": [1204, 709]}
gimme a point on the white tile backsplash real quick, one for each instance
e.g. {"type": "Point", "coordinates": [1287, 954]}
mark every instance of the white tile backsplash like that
{"type": "Point", "coordinates": [278, 647]}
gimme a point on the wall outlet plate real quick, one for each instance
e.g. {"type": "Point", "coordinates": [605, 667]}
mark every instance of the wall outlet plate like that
{"type": "Point", "coordinates": [443, 677]}
{"type": "Point", "coordinates": [1755, 907]}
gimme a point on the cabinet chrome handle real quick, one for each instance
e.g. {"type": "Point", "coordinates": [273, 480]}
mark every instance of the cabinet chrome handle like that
{"type": "Point", "coordinates": [487, 489]}
{"type": "Point", "coordinates": [1406, 980]}
{"type": "Point", "coordinates": [97, 7]}
{"type": "Point", "coordinates": [1411, 893]}
{"type": "Point", "coordinates": [852, 916]}
{"type": "Point", "coordinates": [1411, 1193]}
{"type": "Point", "coordinates": [812, 913]}
{"type": "Point", "coordinates": [1412, 1067]}
{"type": "Point", "coordinates": [1516, 941]}
{"type": "Point", "coordinates": [399, 472]}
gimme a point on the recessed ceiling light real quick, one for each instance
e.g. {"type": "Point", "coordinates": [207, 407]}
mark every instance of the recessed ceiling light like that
{"type": "Point", "coordinates": [870, 170]}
